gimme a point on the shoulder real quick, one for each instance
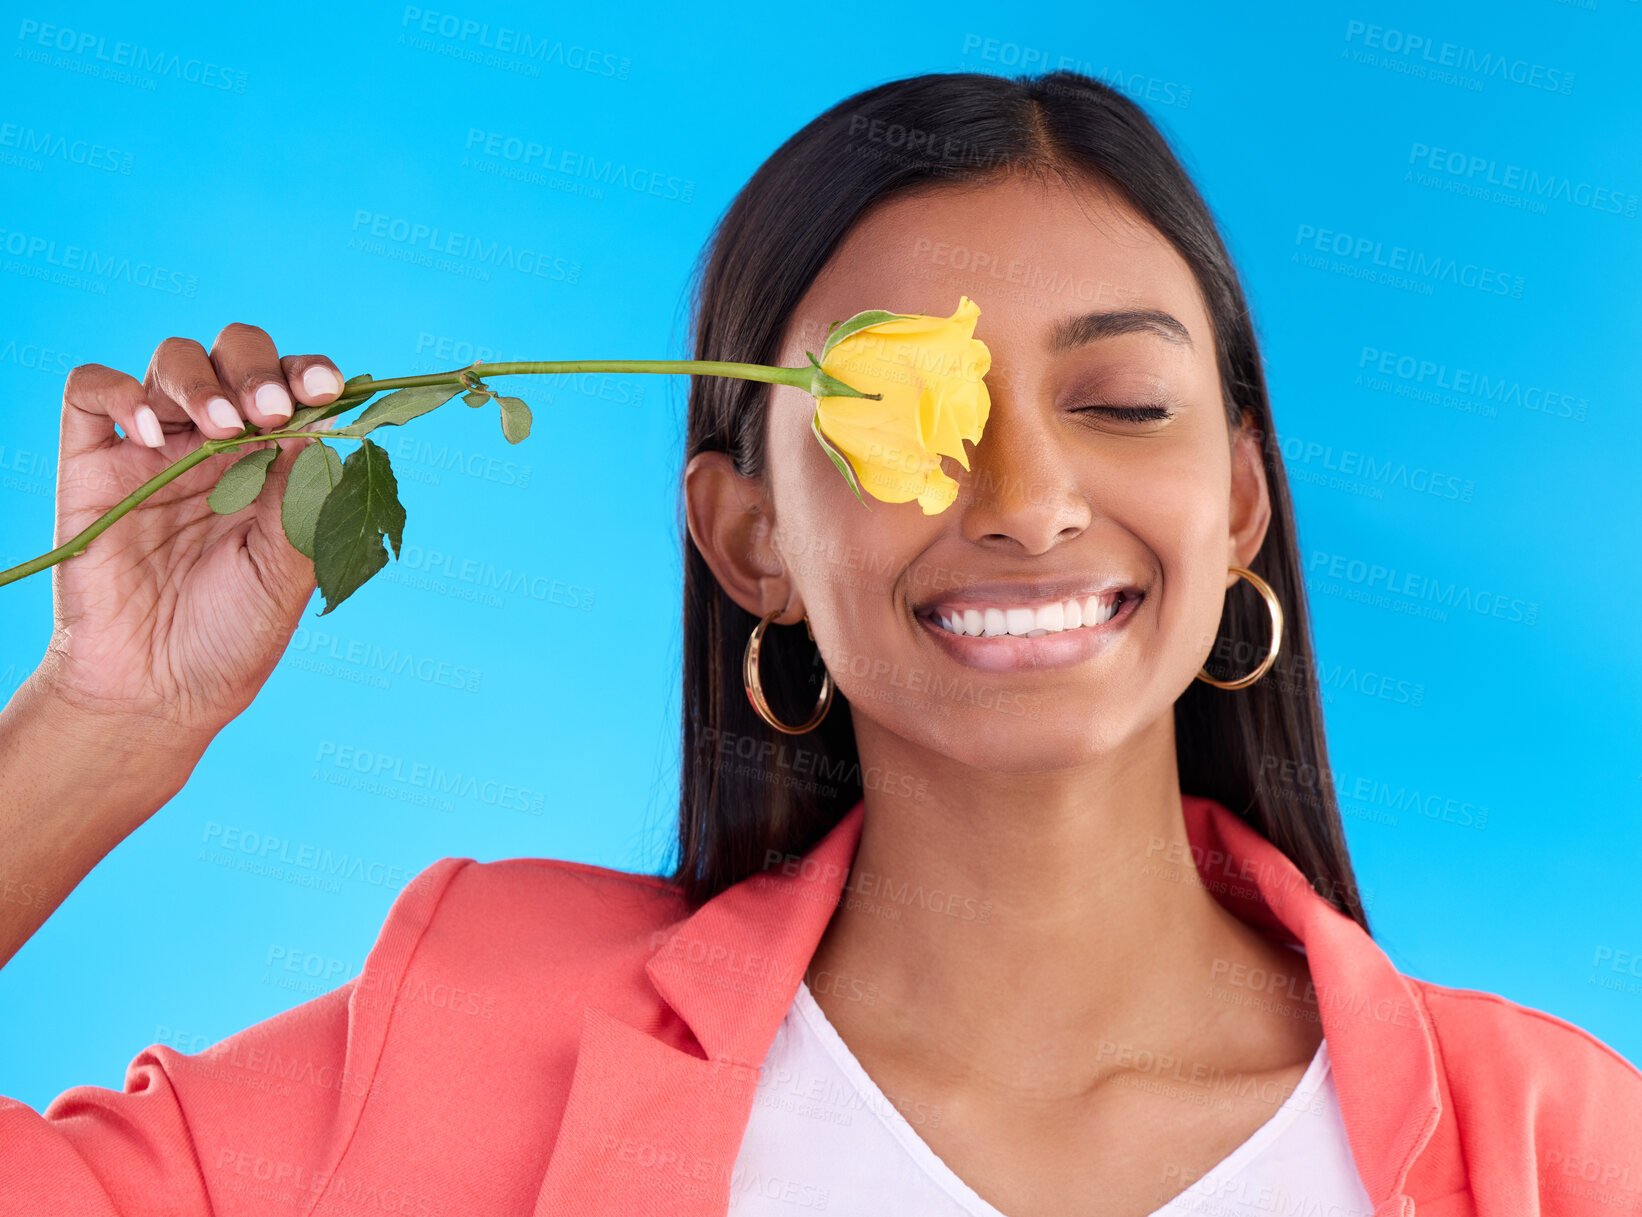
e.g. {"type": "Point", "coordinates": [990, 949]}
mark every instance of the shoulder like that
{"type": "Point", "coordinates": [572, 896]}
{"type": "Point", "coordinates": [1485, 1034]}
{"type": "Point", "coordinates": [1521, 1076]}
{"type": "Point", "coordinates": [532, 928]}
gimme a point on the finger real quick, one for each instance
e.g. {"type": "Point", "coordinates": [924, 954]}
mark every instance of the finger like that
{"type": "Point", "coordinates": [314, 379]}
{"type": "Point", "coordinates": [95, 399]}
{"type": "Point", "coordinates": [247, 364]}
{"type": "Point", "coordinates": [183, 387]}
{"type": "Point", "coordinates": [266, 389]}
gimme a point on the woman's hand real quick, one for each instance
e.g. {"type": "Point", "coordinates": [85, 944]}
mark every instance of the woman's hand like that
{"type": "Point", "coordinates": [175, 616]}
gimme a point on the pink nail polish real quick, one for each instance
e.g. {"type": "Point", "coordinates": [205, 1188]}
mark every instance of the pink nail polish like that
{"type": "Point", "coordinates": [273, 400]}
{"type": "Point", "coordinates": [317, 382]}
{"type": "Point", "coordinates": [148, 427]}
{"type": "Point", "coordinates": [221, 411]}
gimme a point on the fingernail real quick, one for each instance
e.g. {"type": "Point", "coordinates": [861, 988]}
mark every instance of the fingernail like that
{"type": "Point", "coordinates": [148, 427]}
{"type": "Point", "coordinates": [318, 381]}
{"type": "Point", "coordinates": [272, 399]}
{"type": "Point", "coordinates": [221, 411]}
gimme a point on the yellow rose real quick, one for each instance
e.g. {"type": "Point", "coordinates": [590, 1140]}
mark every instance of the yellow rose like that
{"type": "Point", "coordinates": [928, 372]}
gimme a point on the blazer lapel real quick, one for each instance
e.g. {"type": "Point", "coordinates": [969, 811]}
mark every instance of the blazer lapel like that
{"type": "Point", "coordinates": [654, 1116]}
{"type": "Point", "coordinates": [647, 1128]}
{"type": "Point", "coordinates": [1380, 1049]}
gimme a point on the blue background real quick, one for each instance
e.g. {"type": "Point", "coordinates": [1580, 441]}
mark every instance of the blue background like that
{"type": "Point", "coordinates": [250, 196]}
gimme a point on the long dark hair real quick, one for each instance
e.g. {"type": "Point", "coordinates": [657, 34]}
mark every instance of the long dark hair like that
{"type": "Point", "coordinates": [1260, 750]}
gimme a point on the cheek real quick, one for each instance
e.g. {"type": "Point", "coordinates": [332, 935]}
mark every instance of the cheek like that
{"type": "Point", "coordinates": [804, 483]}
{"type": "Point", "coordinates": [844, 557]}
{"type": "Point", "coordinates": [1184, 521]}
{"type": "Point", "coordinates": [852, 565]}
{"type": "Point", "coordinates": [1195, 584]}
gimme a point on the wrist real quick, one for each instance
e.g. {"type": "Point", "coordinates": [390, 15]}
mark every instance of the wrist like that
{"type": "Point", "coordinates": [73, 785]}
{"type": "Point", "coordinates": [109, 741]}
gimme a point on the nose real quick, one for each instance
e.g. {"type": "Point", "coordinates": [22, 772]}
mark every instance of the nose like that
{"type": "Point", "coordinates": [1020, 491]}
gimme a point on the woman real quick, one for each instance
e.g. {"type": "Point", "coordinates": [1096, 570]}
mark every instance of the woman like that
{"type": "Point", "coordinates": [962, 923]}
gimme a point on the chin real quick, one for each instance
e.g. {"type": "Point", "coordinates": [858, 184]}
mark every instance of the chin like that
{"type": "Point", "coordinates": [1035, 739]}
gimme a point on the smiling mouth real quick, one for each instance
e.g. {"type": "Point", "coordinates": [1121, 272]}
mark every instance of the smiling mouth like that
{"type": "Point", "coordinates": [983, 620]}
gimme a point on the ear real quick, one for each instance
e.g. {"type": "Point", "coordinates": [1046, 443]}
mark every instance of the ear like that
{"type": "Point", "coordinates": [1250, 496]}
{"type": "Point", "coordinates": [730, 521]}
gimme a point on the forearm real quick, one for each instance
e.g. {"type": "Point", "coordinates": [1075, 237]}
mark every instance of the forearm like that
{"type": "Point", "coordinates": [73, 785]}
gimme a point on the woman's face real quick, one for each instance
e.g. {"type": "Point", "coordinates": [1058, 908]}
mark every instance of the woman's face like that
{"type": "Point", "coordinates": [1065, 499]}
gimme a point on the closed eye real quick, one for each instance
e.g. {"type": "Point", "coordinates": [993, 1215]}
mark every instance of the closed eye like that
{"type": "Point", "coordinates": [1129, 414]}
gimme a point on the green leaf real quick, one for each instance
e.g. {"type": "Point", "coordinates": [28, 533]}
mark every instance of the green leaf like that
{"type": "Point", "coordinates": [354, 518]}
{"type": "Point", "coordinates": [838, 457]}
{"type": "Point", "coordinates": [353, 392]}
{"type": "Point", "coordinates": [242, 481]}
{"type": "Point", "coordinates": [841, 330]}
{"type": "Point", "coordinates": [314, 414]}
{"type": "Point", "coordinates": [314, 474]}
{"type": "Point", "coordinates": [400, 407]}
{"type": "Point", "coordinates": [515, 419]}
{"type": "Point", "coordinates": [477, 397]}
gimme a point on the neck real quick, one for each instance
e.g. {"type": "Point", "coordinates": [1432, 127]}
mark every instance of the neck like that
{"type": "Point", "coordinates": [991, 916]}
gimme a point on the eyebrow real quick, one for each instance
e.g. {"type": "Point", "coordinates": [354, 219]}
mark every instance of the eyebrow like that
{"type": "Point", "coordinates": [1091, 327]}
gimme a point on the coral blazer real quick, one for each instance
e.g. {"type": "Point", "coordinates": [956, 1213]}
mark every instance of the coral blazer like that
{"type": "Point", "coordinates": [533, 1036]}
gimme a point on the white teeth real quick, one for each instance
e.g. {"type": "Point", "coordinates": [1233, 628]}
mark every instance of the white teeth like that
{"type": "Point", "coordinates": [1095, 613]}
{"type": "Point", "coordinates": [1053, 618]}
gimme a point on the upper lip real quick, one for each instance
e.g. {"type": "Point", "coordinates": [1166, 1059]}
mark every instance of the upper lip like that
{"type": "Point", "coordinates": [1021, 593]}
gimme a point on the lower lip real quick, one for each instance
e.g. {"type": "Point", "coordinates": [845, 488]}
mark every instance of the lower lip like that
{"type": "Point", "coordinates": [1015, 652]}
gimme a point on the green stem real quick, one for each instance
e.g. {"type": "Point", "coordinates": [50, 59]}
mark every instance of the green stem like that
{"type": "Point", "coordinates": [86, 536]}
{"type": "Point", "coordinates": [800, 378]}
{"type": "Point", "coordinates": [806, 378]}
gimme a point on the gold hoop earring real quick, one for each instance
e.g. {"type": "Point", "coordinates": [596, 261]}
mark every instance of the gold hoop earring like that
{"type": "Point", "coordinates": [755, 690]}
{"type": "Point", "coordinates": [1276, 611]}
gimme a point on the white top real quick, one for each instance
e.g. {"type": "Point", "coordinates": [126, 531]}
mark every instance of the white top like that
{"type": "Point", "coordinates": [823, 1138]}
